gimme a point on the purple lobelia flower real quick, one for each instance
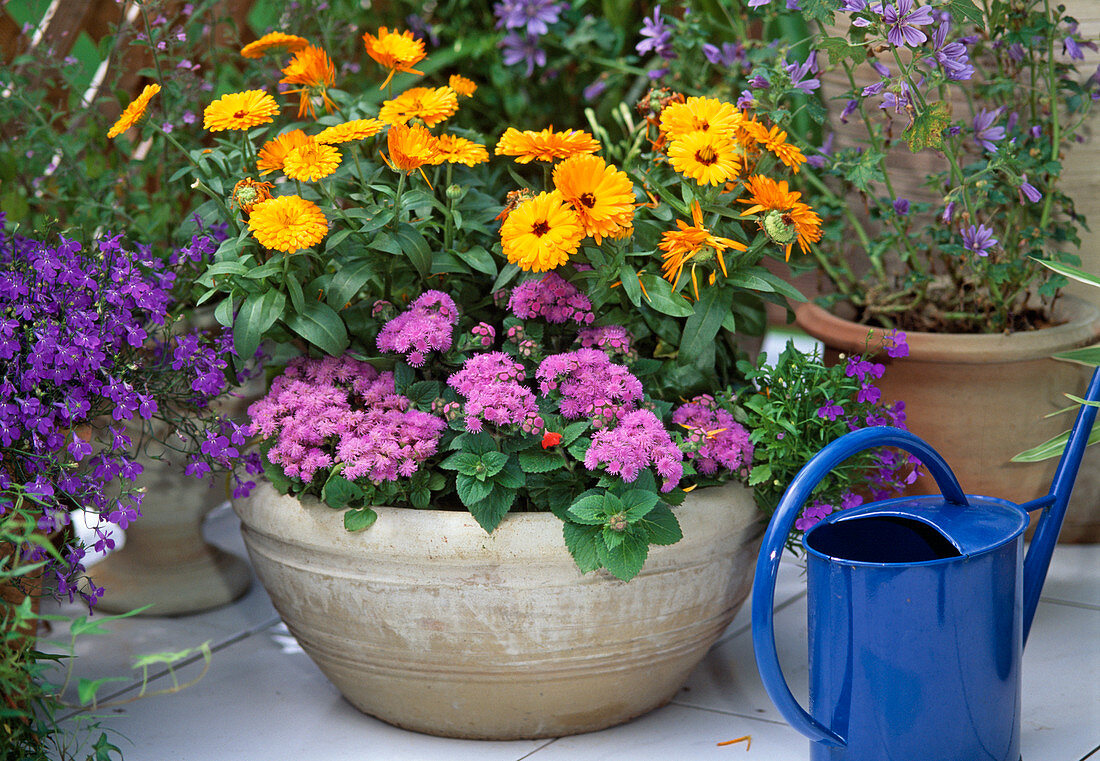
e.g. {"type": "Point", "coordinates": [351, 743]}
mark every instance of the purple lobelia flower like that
{"type": "Point", "coordinates": [657, 37]}
{"type": "Point", "coordinates": [904, 21]}
{"type": "Point", "coordinates": [978, 239]}
{"type": "Point", "coordinates": [985, 134]}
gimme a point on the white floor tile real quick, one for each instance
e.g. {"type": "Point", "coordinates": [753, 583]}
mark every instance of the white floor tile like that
{"type": "Point", "coordinates": [1074, 574]}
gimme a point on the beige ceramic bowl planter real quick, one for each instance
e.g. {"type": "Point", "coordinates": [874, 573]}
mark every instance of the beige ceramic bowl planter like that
{"type": "Point", "coordinates": [427, 622]}
{"type": "Point", "coordinates": [981, 399]}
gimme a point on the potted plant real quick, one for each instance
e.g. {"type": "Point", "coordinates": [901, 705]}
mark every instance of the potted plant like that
{"type": "Point", "coordinates": [949, 248]}
{"type": "Point", "coordinates": [505, 380]}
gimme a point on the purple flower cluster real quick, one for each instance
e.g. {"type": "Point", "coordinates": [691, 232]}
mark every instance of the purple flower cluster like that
{"type": "Point", "coordinates": [716, 439]}
{"type": "Point", "coordinates": [867, 372]}
{"type": "Point", "coordinates": [953, 56]}
{"type": "Point", "coordinates": [551, 298]}
{"type": "Point", "coordinates": [526, 20]}
{"type": "Point", "coordinates": [339, 411]}
{"type": "Point", "coordinates": [656, 39]}
{"type": "Point", "coordinates": [492, 384]}
{"type": "Point", "coordinates": [80, 340]}
{"type": "Point", "coordinates": [638, 441]}
{"type": "Point", "coordinates": [615, 340]}
{"type": "Point", "coordinates": [588, 383]}
{"type": "Point", "coordinates": [427, 325]}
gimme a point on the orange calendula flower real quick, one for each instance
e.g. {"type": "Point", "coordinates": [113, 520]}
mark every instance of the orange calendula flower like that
{"type": "Point", "coordinates": [785, 217]}
{"type": "Point", "coordinates": [291, 43]}
{"type": "Point", "coordinates": [775, 141]}
{"type": "Point", "coordinates": [430, 105]}
{"type": "Point", "coordinates": [356, 129]}
{"type": "Point", "coordinates": [458, 150]}
{"type": "Point", "coordinates": [707, 157]}
{"type": "Point", "coordinates": [271, 156]}
{"type": "Point", "coordinates": [699, 115]}
{"type": "Point", "coordinates": [313, 71]}
{"type": "Point", "coordinates": [247, 193]}
{"type": "Point", "coordinates": [463, 86]}
{"type": "Point", "coordinates": [602, 196]}
{"type": "Point", "coordinates": [288, 223]}
{"type": "Point", "coordinates": [541, 233]}
{"type": "Point", "coordinates": [240, 111]}
{"type": "Point", "coordinates": [546, 145]}
{"type": "Point", "coordinates": [132, 114]}
{"type": "Point", "coordinates": [396, 51]}
{"type": "Point", "coordinates": [693, 244]}
{"type": "Point", "coordinates": [311, 161]}
{"type": "Point", "coordinates": [411, 147]}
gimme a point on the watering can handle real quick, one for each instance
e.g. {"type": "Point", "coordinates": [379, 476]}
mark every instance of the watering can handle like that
{"type": "Point", "coordinates": [775, 539]}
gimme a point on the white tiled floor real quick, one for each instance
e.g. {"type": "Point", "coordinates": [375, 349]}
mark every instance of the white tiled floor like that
{"type": "Point", "coordinates": [263, 699]}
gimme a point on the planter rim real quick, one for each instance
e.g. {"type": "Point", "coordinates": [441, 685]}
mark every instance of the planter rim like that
{"type": "Point", "coordinates": [1081, 327]}
{"type": "Point", "coordinates": [434, 535]}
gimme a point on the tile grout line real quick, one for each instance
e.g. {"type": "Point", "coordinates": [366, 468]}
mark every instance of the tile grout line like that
{"type": "Point", "coordinates": [1070, 603]}
{"type": "Point", "coordinates": [728, 635]}
{"type": "Point", "coordinates": [545, 745]}
{"type": "Point", "coordinates": [709, 709]}
{"type": "Point", "coordinates": [218, 646]}
{"type": "Point", "coordinates": [1090, 754]}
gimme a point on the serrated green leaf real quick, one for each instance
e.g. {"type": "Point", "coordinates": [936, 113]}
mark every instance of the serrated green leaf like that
{"type": "Point", "coordinates": [490, 511]}
{"type": "Point", "coordinates": [867, 170]}
{"type": "Point", "coordinates": [838, 48]}
{"type": "Point", "coordinates": [637, 503]}
{"type": "Point", "coordinates": [465, 463]}
{"type": "Point", "coordinates": [478, 443]}
{"type": "Point", "coordinates": [359, 518]}
{"type": "Point", "coordinates": [960, 9]}
{"type": "Point", "coordinates": [420, 498]}
{"type": "Point", "coordinates": [579, 449]}
{"type": "Point", "coordinates": [494, 462]}
{"type": "Point", "coordinates": [928, 125]}
{"type": "Point", "coordinates": [626, 560]}
{"type": "Point", "coordinates": [661, 526]}
{"type": "Point", "coordinates": [760, 474]}
{"type": "Point", "coordinates": [581, 543]}
{"type": "Point", "coordinates": [511, 476]}
{"type": "Point", "coordinates": [472, 491]}
{"type": "Point", "coordinates": [541, 461]}
{"type": "Point", "coordinates": [589, 509]}
{"type": "Point", "coordinates": [319, 324]}
{"type": "Point", "coordinates": [573, 432]}
{"type": "Point", "coordinates": [611, 538]}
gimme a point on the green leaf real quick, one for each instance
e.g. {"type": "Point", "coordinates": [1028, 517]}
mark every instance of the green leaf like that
{"type": "Point", "coordinates": [760, 474]}
{"type": "Point", "coordinates": [464, 462]}
{"type": "Point", "coordinates": [1053, 447]}
{"type": "Point", "coordinates": [704, 323]}
{"type": "Point", "coordinates": [294, 288]}
{"type": "Point", "coordinates": [479, 259]}
{"type": "Point", "coordinates": [573, 432]}
{"type": "Point", "coordinates": [928, 125]}
{"type": "Point", "coordinates": [960, 9]}
{"type": "Point", "coordinates": [581, 542]}
{"type": "Point", "coordinates": [626, 560]}
{"type": "Point", "coordinates": [415, 249]}
{"type": "Point", "coordinates": [420, 498]}
{"type": "Point", "coordinates": [472, 491]}
{"type": "Point", "coordinates": [579, 449]}
{"type": "Point", "coordinates": [338, 492]}
{"type": "Point", "coordinates": [663, 299]}
{"type": "Point", "coordinates": [489, 512]}
{"type": "Point", "coordinates": [87, 688]}
{"type": "Point", "coordinates": [631, 288]}
{"type": "Point", "coordinates": [347, 282]}
{"type": "Point", "coordinates": [478, 443]}
{"type": "Point", "coordinates": [258, 313]}
{"type": "Point", "coordinates": [1090, 355]}
{"type": "Point", "coordinates": [541, 461]}
{"type": "Point", "coordinates": [221, 268]}
{"type": "Point", "coordinates": [494, 462]}
{"type": "Point", "coordinates": [838, 48]}
{"type": "Point", "coordinates": [511, 475]}
{"type": "Point", "coordinates": [589, 508]}
{"type": "Point", "coordinates": [661, 526]}
{"type": "Point", "coordinates": [867, 170]}
{"type": "Point", "coordinates": [1068, 270]}
{"type": "Point", "coordinates": [638, 503]}
{"type": "Point", "coordinates": [319, 324]}
{"type": "Point", "coordinates": [359, 518]}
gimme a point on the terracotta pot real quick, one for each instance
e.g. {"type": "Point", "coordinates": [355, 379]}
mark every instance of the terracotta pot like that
{"type": "Point", "coordinates": [427, 622]}
{"type": "Point", "coordinates": [981, 399]}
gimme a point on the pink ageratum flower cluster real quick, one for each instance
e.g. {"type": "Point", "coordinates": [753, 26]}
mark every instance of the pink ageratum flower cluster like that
{"type": "Point", "coordinates": [638, 441]}
{"type": "Point", "coordinates": [427, 325]}
{"type": "Point", "coordinates": [551, 298]}
{"type": "Point", "coordinates": [612, 339]}
{"type": "Point", "coordinates": [492, 384]}
{"type": "Point", "coordinates": [721, 440]}
{"type": "Point", "coordinates": [324, 412]}
{"type": "Point", "coordinates": [588, 382]}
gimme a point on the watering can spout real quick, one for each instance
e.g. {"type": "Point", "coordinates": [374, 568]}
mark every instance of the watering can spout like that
{"type": "Point", "coordinates": [1055, 502]}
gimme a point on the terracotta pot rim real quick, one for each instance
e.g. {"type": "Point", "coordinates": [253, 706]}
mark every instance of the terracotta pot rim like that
{"type": "Point", "coordinates": [1081, 328]}
{"type": "Point", "coordinates": [441, 534]}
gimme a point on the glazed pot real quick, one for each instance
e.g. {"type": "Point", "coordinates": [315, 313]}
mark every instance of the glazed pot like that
{"type": "Point", "coordinates": [427, 622]}
{"type": "Point", "coordinates": [981, 399]}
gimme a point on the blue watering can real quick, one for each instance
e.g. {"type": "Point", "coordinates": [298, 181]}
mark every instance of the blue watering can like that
{"type": "Point", "coordinates": [918, 610]}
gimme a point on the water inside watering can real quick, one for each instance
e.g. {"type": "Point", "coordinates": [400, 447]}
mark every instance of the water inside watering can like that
{"type": "Point", "coordinates": [881, 539]}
